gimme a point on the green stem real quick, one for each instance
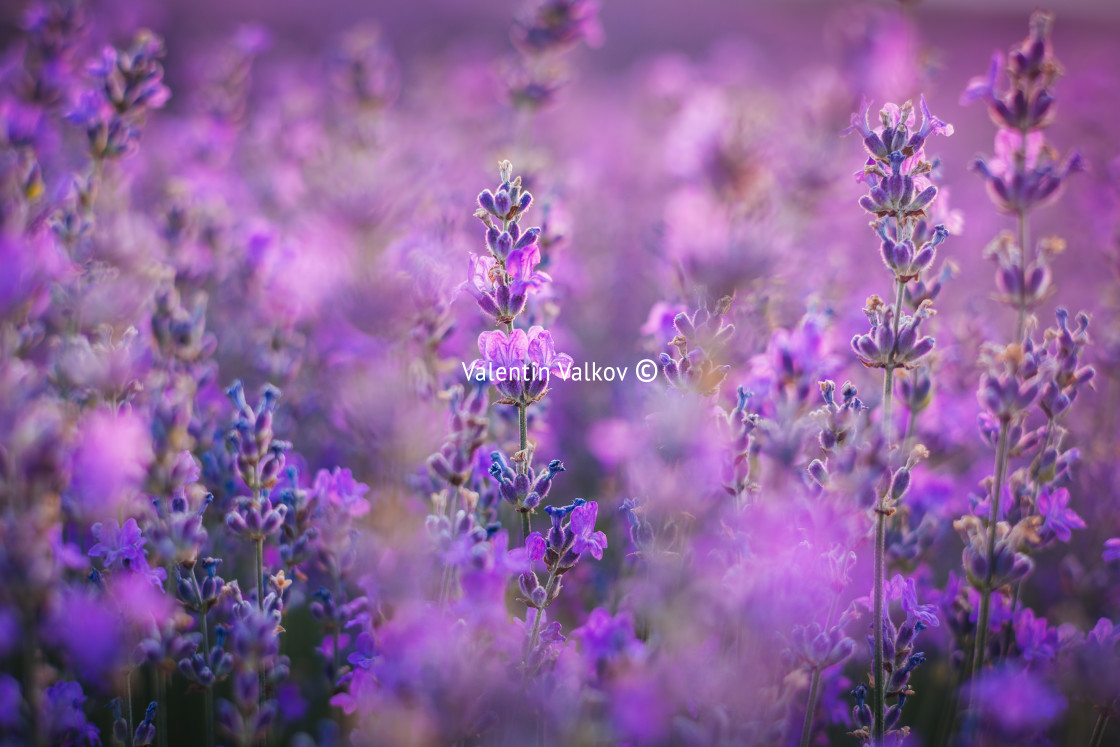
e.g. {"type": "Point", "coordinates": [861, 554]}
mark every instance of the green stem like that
{"type": "Point", "coordinates": [161, 695]}
{"type": "Point", "coordinates": [949, 724]}
{"type": "Point", "coordinates": [811, 707]}
{"type": "Point", "coordinates": [1008, 628]}
{"type": "Point", "coordinates": [128, 690]}
{"type": "Point", "coordinates": [523, 433]}
{"type": "Point", "coordinates": [534, 637]}
{"type": "Point", "coordinates": [259, 555]}
{"type": "Point", "coordinates": [1050, 425]}
{"type": "Point", "coordinates": [447, 577]}
{"type": "Point", "coordinates": [888, 377]}
{"type": "Point", "coordinates": [880, 684]}
{"type": "Point", "coordinates": [814, 682]}
{"type": "Point", "coordinates": [1097, 739]}
{"type": "Point", "coordinates": [337, 658]}
{"type": "Point", "coordinates": [259, 541]}
{"type": "Point", "coordinates": [911, 429]}
{"type": "Point", "coordinates": [445, 583]}
{"type": "Point", "coordinates": [980, 649]}
{"type": "Point", "coordinates": [208, 691]}
{"type": "Point", "coordinates": [1021, 317]}
{"type": "Point", "coordinates": [879, 709]}
{"type": "Point", "coordinates": [336, 662]}
{"type": "Point", "coordinates": [208, 704]}
{"type": "Point", "coordinates": [888, 411]}
{"type": "Point", "coordinates": [31, 682]}
{"type": "Point", "coordinates": [523, 447]}
{"type": "Point", "coordinates": [259, 547]}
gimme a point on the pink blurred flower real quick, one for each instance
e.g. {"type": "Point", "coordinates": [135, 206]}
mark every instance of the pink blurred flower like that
{"type": "Point", "coordinates": [109, 464]}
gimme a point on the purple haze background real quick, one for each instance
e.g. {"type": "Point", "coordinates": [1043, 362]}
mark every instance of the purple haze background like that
{"type": "Point", "coordinates": [280, 221]}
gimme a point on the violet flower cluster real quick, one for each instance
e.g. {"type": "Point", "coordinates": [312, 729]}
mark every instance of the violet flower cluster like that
{"type": "Point", "coordinates": [1026, 389]}
{"type": "Point", "coordinates": [901, 197]}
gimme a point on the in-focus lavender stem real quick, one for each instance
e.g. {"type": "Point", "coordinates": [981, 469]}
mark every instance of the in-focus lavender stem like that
{"type": "Point", "coordinates": [1024, 262]}
{"type": "Point", "coordinates": [980, 649]}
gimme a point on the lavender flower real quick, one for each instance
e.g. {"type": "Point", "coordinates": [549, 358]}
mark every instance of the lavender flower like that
{"type": "Point", "coordinates": [1058, 520]}
{"type": "Point", "coordinates": [129, 83]}
{"type": "Point", "coordinates": [521, 364]}
{"type": "Point", "coordinates": [607, 639]}
{"type": "Point", "coordinates": [364, 68]}
{"type": "Point", "coordinates": [466, 434]}
{"type": "Point", "coordinates": [1026, 173]}
{"type": "Point", "coordinates": [524, 490]}
{"type": "Point", "coordinates": [699, 339]}
{"type": "Point", "coordinates": [585, 538]}
{"type": "Point", "coordinates": [814, 648]}
{"type": "Point", "coordinates": [109, 464]}
{"type": "Point", "coordinates": [554, 26]}
{"type": "Point", "coordinates": [341, 492]}
{"type": "Point", "coordinates": [1016, 704]}
{"type": "Point", "coordinates": [892, 343]}
{"type": "Point", "coordinates": [123, 547]}
{"type": "Point", "coordinates": [65, 717]}
{"type": "Point", "coordinates": [1027, 101]}
{"type": "Point", "coordinates": [572, 534]}
{"type": "Point", "coordinates": [900, 197]}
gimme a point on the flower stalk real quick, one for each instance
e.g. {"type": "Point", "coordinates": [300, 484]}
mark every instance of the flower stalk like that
{"type": "Point", "coordinates": [900, 198]}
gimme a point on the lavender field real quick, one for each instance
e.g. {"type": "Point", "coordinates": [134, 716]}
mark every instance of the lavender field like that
{"type": "Point", "coordinates": [559, 372]}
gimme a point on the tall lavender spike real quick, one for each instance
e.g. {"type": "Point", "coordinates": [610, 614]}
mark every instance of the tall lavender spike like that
{"type": "Point", "coordinates": [1024, 379]}
{"type": "Point", "coordinates": [900, 198]}
{"type": "Point", "coordinates": [519, 363]}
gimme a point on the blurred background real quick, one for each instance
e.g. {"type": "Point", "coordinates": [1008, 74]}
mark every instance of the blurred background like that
{"type": "Point", "coordinates": [691, 150]}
